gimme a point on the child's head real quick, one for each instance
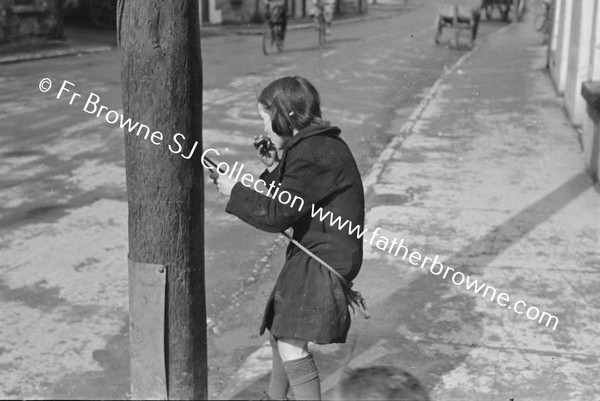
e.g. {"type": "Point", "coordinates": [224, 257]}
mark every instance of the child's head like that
{"type": "Point", "coordinates": [380, 383]}
{"type": "Point", "coordinates": [293, 103]}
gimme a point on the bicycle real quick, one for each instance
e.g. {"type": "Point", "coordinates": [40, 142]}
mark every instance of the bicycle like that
{"type": "Point", "coordinates": [542, 23]}
{"type": "Point", "coordinates": [519, 8]}
{"type": "Point", "coordinates": [274, 30]}
{"type": "Point", "coordinates": [320, 21]}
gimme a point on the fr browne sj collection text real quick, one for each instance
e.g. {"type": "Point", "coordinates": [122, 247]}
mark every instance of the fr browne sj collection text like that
{"type": "Point", "coordinates": [93, 106]}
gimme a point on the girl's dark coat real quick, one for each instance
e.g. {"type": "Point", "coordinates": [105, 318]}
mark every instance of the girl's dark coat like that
{"type": "Point", "coordinates": [307, 301]}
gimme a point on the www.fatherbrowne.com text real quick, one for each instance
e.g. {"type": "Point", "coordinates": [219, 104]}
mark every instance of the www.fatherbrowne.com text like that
{"type": "Point", "coordinates": [391, 246]}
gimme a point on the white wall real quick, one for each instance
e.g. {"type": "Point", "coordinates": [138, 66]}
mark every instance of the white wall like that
{"type": "Point", "coordinates": [578, 57]}
{"type": "Point", "coordinates": [559, 57]}
{"type": "Point", "coordinates": [594, 60]}
{"type": "Point", "coordinates": [591, 128]}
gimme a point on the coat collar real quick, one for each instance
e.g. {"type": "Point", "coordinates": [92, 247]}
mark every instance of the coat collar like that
{"type": "Point", "coordinates": [312, 131]}
{"type": "Point", "coordinates": [303, 134]}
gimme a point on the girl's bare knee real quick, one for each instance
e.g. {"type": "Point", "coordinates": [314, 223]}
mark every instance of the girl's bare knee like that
{"type": "Point", "coordinates": [273, 340]}
{"type": "Point", "coordinates": [292, 348]}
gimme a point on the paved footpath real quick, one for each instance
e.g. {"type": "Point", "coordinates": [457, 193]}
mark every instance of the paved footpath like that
{"type": "Point", "coordinates": [488, 174]}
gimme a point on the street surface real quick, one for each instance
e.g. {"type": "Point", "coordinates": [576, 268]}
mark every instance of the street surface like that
{"type": "Point", "coordinates": [63, 222]}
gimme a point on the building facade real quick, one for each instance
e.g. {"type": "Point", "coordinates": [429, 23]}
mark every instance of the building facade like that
{"type": "Point", "coordinates": [574, 62]}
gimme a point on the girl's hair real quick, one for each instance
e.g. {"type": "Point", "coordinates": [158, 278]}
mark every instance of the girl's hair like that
{"type": "Point", "coordinates": [293, 103]}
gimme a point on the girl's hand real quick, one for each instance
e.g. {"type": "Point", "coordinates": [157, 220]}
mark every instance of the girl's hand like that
{"type": "Point", "coordinates": [266, 151]}
{"type": "Point", "coordinates": [224, 183]}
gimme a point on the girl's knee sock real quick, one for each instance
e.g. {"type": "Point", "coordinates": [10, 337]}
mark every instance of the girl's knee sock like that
{"type": "Point", "coordinates": [279, 384]}
{"type": "Point", "coordinates": [304, 378]}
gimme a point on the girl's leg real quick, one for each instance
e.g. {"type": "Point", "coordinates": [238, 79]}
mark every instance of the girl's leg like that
{"type": "Point", "coordinates": [279, 384]}
{"type": "Point", "coordinates": [300, 368]}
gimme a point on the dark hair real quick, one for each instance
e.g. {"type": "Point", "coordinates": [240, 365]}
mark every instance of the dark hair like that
{"type": "Point", "coordinates": [293, 103]}
{"type": "Point", "coordinates": [381, 383]}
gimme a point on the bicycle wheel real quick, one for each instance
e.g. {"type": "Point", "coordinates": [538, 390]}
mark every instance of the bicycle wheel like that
{"type": "Point", "coordinates": [522, 8]}
{"type": "Point", "coordinates": [518, 7]}
{"type": "Point", "coordinates": [489, 11]}
{"type": "Point", "coordinates": [542, 29]}
{"type": "Point", "coordinates": [277, 32]}
{"type": "Point", "coordinates": [438, 29]}
{"type": "Point", "coordinates": [267, 40]}
{"type": "Point", "coordinates": [539, 22]}
{"type": "Point", "coordinates": [321, 29]}
{"type": "Point", "coordinates": [514, 11]}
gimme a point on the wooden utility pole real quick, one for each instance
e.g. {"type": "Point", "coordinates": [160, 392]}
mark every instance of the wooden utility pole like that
{"type": "Point", "coordinates": [161, 72]}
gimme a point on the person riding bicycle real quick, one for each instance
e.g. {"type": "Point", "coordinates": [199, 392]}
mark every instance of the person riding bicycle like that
{"type": "Point", "coordinates": [327, 7]}
{"type": "Point", "coordinates": [276, 13]}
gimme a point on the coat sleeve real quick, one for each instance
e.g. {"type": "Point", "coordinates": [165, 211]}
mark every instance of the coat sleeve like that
{"type": "Point", "coordinates": [308, 180]}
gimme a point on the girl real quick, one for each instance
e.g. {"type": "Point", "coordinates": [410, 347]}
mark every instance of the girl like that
{"type": "Point", "coordinates": [307, 158]}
